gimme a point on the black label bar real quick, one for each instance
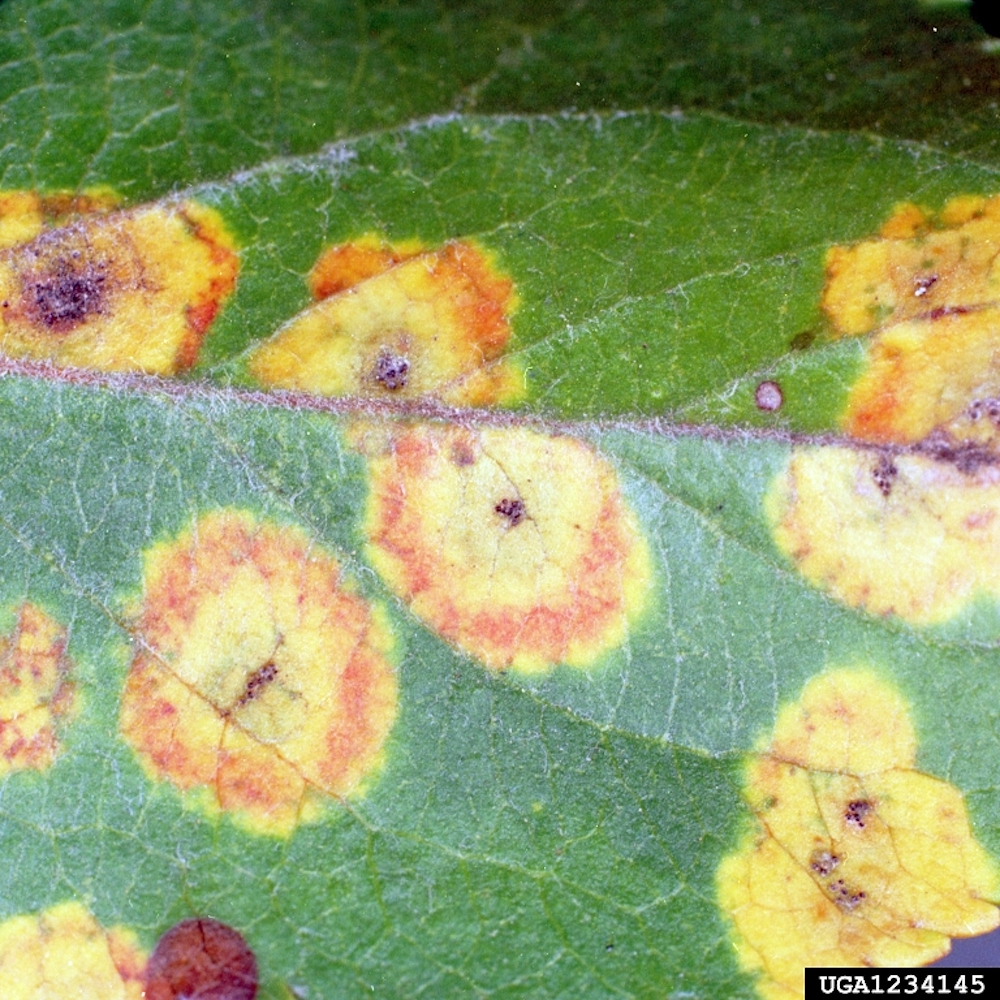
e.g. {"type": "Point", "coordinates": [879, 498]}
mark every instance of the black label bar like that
{"type": "Point", "coordinates": [954, 983]}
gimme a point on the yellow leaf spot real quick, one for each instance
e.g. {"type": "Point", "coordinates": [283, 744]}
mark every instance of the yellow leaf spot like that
{"type": "Point", "coordinates": [399, 322]}
{"type": "Point", "coordinates": [258, 677]}
{"type": "Point", "coordinates": [121, 291]}
{"type": "Point", "coordinates": [35, 691]}
{"type": "Point", "coordinates": [856, 858]}
{"type": "Point", "coordinates": [927, 287]}
{"type": "Point", "coordinates": [63, 952]}
{"type": "Point", "coordinates": [910, 536]}
{"type": "Point", "coordinates": [516, 546]}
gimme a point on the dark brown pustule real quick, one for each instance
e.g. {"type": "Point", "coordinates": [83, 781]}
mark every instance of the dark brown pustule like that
{"type": "Point", "coordinates": [65, 280]}
{"type": "Point", "coordinates": [857, 812]}
{"type": "Point", "coordinates": [66, 293]}
{"type": "Point", "coordinates": [392, 371]}
{"type": "Point", "coordinates": [844, 896]}
{"type": "Point", "coordinates": [257, 681]}
{"type": "Point", "coordinates": [512, 509]}
{"type": "Point", "coordinates": [884, 474]}
{"type": "Point", "coordinates": [823, 862]}
{"type": "Point", "coordinates": [201, 959]}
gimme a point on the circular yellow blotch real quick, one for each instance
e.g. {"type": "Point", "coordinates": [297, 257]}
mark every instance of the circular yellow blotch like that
{"type": "Point", "coordinates": [36, 694]}
{"type": "Point", "coordinates": [516, 546]}
{"type": "Point", "coordinates": [912, 536]}
{"type": "Point", "coordinates": [399, 322]}
{"type": "Point", "coordinates": [856, 858]}
{"type": "Point", "coordinates": [120, 291]}
{"type": "Point", "coordinates": [63, 952]}
{"type": "Point", "coordinates": [258, 678]}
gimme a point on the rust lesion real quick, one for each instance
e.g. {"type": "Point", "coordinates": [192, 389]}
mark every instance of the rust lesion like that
{"type": "Point", "coordinates": [257, 682]}
{"type": "Point", "coordinates": [262, 684]}
{"type": "Point", "coordinates": [392, 370]}
{"type": "Point", "coordinates": [37, 694]}
{"type": "Point", "coordinates": [517, 546]}
{"type": "Point", "coordinates": [512, 509]}
{"type": "Point", "coordinates": [404, 320]}
{"type": "Point", "coordinates": [926, 289]}
{"type": "Point", "coordinates": [64, 952]}
{"type": "Point", "coordinates": [855, 857]}
{"type": "Point", "coordinates": [115, 290]}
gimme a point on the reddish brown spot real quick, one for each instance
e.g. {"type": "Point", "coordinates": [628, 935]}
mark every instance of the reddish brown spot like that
{"type": "Point", "coordinates": [855, 813]}
{"type": "Point", "coordinates": [768, 397]}
{"type": "Point", "coordinates": [201, 959]}
{"type": "Point", "coordinates": [511, 509]}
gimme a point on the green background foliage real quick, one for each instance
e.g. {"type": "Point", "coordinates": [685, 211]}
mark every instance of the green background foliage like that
{"type": "Point", "coordinates": [662, 182]}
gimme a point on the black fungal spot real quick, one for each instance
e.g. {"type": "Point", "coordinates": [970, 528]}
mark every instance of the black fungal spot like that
{"type": "Point", "coordinates": [201, 959]}
{"type": "Point", "coordinates": [845, 898]}
{"type": "Point", "coordinates": [823, 862]}
{"type": "Point", "coordinates": [512, 509]}
{"type": "Point", "coordinates": [392, 371]}
{"type": "Point", "coordinates": [884, 474]}
{"type": "Point", "coordinates": [856, 813]}
{"type": "Point", "coordinates": [768, 396]}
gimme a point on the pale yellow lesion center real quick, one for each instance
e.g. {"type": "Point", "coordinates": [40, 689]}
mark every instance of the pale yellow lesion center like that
{"type": "Point", "coordinates": [855, 857]}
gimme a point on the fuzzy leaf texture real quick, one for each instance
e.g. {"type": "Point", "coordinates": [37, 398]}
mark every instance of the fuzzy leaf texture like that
{"type": "Point", "coordinates": [496, 499]}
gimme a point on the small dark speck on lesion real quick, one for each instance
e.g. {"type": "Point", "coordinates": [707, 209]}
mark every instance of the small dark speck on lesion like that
{"type": "Point", "coordinates": [856, 813]}
{"type": "Point", "coordinates": [513, 509]}
{"type": "Point", "coordinates": [257, 681]}
{"type": "Point", "coordinates": [844, 896]}
{"type": "Point", "coordinates": [392, 371]}
{"type": "Point", "coordinates": [884, 474]}
{"type": "Point", "coordinates": [823, 862]}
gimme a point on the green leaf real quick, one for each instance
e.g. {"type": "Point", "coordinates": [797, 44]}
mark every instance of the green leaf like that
{"type": "Point", "coordinates": [650, 178]}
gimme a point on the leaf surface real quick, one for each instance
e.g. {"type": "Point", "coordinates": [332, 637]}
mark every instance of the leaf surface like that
{"type": "Point", "coordinates": [534, 835]}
